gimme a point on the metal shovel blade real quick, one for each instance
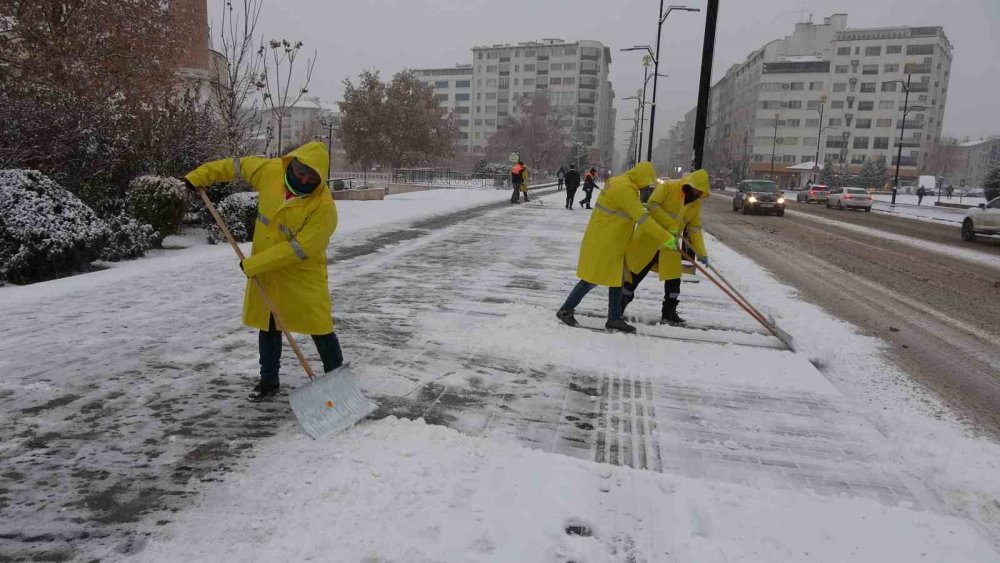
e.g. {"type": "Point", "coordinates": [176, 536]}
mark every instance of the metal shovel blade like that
{"type": "Point", "coordinates": [330, 403]}
{"type": "Point", "coordinates": [783, 336]}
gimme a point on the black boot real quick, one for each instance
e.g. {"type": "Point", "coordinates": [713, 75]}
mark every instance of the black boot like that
{"type": "Point", "coordinates": [262, 391]}
{"type": "Point", "coordinates": [619, 325]}
{"type": "Point", "coordinates": [670, 316]}
{"type": "Point", "coordinates": [566, 316]}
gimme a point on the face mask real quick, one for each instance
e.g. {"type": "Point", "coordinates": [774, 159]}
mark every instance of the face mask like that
{"type": "Point", "coordinates": [300, 179]}
{"type": "Point", "coordinates": [690, 195]}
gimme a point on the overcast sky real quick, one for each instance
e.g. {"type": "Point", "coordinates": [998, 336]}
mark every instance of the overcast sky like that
{"type": "Point", "coordinates": [389, 35]}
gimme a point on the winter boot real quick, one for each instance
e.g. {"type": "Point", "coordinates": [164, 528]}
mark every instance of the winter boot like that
{"type": "Point", "coordinates": [619, 325]}
{"type": "Point", "coordinates": [567, 317]}
{"type": "Point", "coordinates": [670, 316]}
{"type": "Point", "coordinates": [263, 391]}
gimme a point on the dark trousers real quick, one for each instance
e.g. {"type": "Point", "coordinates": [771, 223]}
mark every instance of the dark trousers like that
{"type": "Point", "coordinates": [516, 196]}
{"type": "Point", "coordinates": [586, 198]}
{"type": "Point", "coordinates": [671, 288]}
{"type": "Point", "coordinates": [570, 194]}
{"type": "Point", "coordinates": [560, 184]}
{"type": "Point", "coordinates": [269, 342]}
{"type": "Point", "coordinates": [582, 288]}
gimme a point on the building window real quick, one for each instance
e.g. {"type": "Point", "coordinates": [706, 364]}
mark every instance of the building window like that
{"type": "Point", "coordinates": [492, 55]}
{"type": "Point", "coordinates": [555, 81]}
{"type": "Point", "coordinates": [873, 51]}
{"type": "Point", "coordinates": [788, 140]}
{"type": "Point", "coordinates": [812, 104]}
{"type": "Point", "coordinates": [504, 82]}
{"type": "Point", "coordinates": [792, 122]}
{"type": "Point", "coordinates": [867, 87]}
{"type": "Point", "coordinates": [812, 122]}
{"type": "Point", "coordinates": [771, 86]}
{"type": "Point", "coordinates": [491, 122]}
{"type": "Point", "coordinates": [863, 124]}
{"type": "Point", "coordinates": [517, 81]}
{"type": "Point", "coordinates": [885, 123]}
{"type": "Point", "coordinates": [797, 86]}
{"type": "Point", "coordinates": [491, 68]}
{"type": "Point", "coordinates": [835, 122]}
{"type": "Point", "coordinates": [570, 66]}
{"type": "Point", "coordinates": [839, 104]}
{"type": "Point", "coordinates": [479, 122]}
{"type": "Point", "coordinates": [861, 142]}
{"type": "Point", "coordinates": [490, 109]}
{"type": "Point", "coordinates": [569, 80]}
{"type": "Point", "coordinates": [462, 109]}
{"type": "Point", "coordinates": [491, 82]}
{"type": "Point", "coordinates": [840, 69]}
{"type": "Point", "coordinates": [463, 83]}
{"type": "Point", "coordinates": [866, 106]}
{"type": "Point", "coordinates": [894, 67]}
{"type": "Point", "coordinates": [889, 86]}
{"type": "Point", "coordinates": [887, 104]}
{"type": "Point", "coordinates": [462, 97]}
{"type": "Point", "coordinates": [441, 97]}
{"type": "Point", "coordinates": [815, 85]}
{"type": "Point", "coordinates": [788, 158]}
{"type": "Point", "coordinates": [758, 158]}
{"type": "Point", "coordinates": [869, 69]}
{"type": "Point", "coordinates": [809, 142]}
{"type": "Point", "coordinates": [555, 66]}
{"type": "Point", "coordinates": [842, 51]}
{"type": "Point", "coordinates": [491, 95]}
{"type": "Point", "coordinates": [441, 84]}
{"type": "Point", "coordinates": [881, 143]}
{"type": "Point", "coordinates": [893, 49]}
{"type": "Point", "coordinates": [833, 156]}
{"type": "Point", "coordinates": [840, 87]}
{"type": "Point", "coordinates": [920, 49]}
{"type": "Point", "coordinates": [529, 81]}
{"type": "Point", "coordinates": [795, 104]}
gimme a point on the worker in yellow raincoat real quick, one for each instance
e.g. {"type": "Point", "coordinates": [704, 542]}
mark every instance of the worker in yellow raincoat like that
{"type": "Point", "coordinates": [296, 217]}
{"type": "Point", "coordinates": [602, 252]}
{"type": "Point", "coordinates": [675, 205]}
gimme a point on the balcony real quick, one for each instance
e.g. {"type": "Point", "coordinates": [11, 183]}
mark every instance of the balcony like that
{"type": "Point", "coordinates": [586, 86]}
{"type": "Point", "coordinates": [917, 68]}
{"type": "Point", "coordinates": [920, 87]}
{"type": "Point", "coordinates": [596, 57]}
{"type": "Point", "coordinates": [588, 72]}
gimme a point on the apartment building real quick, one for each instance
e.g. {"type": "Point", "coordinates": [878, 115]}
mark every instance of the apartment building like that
{"type": "Point", "coordinates": [830, 92]}
{"type": "Point", "coordinates": [967, 164]}
{"type": "Point", "coordinates": [453, 88]}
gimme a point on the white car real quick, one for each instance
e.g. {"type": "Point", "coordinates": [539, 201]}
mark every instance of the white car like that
{"type": "Point", "coordinates": [850, 198]}
{"type": "Point", "coordinates": [982, 220]}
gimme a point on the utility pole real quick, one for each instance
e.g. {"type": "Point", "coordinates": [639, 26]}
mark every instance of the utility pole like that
{"type": "Point", "coordinates": [705, 87]}
{"type": "Point", "coordinates": [902, 129]}
{"type": "Point", "coordinates": [774, 145]}
{"type": "Point", "coordinates": [819, 133]}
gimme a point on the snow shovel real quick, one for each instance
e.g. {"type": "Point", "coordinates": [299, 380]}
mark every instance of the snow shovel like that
{"type": "Point", "coordinates": [329, 403]}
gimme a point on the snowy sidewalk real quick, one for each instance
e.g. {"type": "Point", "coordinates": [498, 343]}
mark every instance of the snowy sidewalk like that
{"type": "Point", "coordinates": [544, 442]}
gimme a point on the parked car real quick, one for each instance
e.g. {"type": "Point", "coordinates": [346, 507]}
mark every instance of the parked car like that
{"type": "Point", "coordinates": [982, 220]}
{"type": "Point", "coordinates": [816, 193]}
{"type": "Point", "coordinates": [850, 198]}
{"type": "Point", "coordinates": [759, 196]}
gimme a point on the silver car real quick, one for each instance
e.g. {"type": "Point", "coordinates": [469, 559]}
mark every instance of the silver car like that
{"type": "Point", "coordinates": [850, 198]}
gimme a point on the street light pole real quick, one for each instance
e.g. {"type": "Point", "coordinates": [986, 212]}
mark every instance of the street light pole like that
{"type": "Point", "coordinates": [819, 132]}
{"type": "Point", "coordinates": [656, 68]}
{"type": "Point", "coordinates": [902, 129]}
{"type": "Point", "coordinates": [774, 145]}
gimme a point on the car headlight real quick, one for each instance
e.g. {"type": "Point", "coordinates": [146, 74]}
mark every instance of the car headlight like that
{"type": "Point", "coordinates": [781, 201]}
{"type": "Point", "coordinates": [751, 199]}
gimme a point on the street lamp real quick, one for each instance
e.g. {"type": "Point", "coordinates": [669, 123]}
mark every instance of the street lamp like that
{"type": "Point", "coordinates": [774, 144]}
{"type": "Point", "coordinates": [656, 65]}
{"type": "Point", "coordinates": [819, 132]}
{"type": "Point", "coordinates": [902, 130]}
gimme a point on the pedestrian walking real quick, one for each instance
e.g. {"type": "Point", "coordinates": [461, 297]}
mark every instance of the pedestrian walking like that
{"type": "Point", "coordinates": [921, 192]}
{"type": "Point", "coordinates": [296, 217]}
{"type": "Point", "coordinates": [572, 183]}
{"type": "Point", "coordinates": [588, 188]}
{"type": "Point", "coordinates": [951, 190]}
{"type": "Point", "coordinates": [560, 177]}
{"type": "Point", "coordinates": [602, 252]}
{"type": "Point", "coordinates": [519, 180]}
{"type": "Point", "coordinates": [675, 205]}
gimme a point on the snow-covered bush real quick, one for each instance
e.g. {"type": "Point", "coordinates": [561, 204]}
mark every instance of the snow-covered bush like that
{"type": "Point", "coordinates": [45, 231]}
{"type": "Point", "coordinates": [159, 201]}
{"type": "Point", "coordinates": [239, 211]}
{"type": "Point", "coordinates": [128, 238]}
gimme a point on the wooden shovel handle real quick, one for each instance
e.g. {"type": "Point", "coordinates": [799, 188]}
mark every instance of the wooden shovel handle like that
{"type": "Point", "coordinates": [260, 287]}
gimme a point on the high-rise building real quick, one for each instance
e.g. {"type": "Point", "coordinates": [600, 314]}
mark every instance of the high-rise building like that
{"type": "Point", "coordinates": [572, 75]}
{"type": "Point", "coordinates": [832, 92]}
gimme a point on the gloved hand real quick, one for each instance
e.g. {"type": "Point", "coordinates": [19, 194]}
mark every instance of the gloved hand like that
{"type": "Point", "coordinates": [703, 260]}
{"type": "Point", "coordinates": [189, 185]}
{"type": "Point", "coordinates": [671, 242]}
{"type": "Point", "coordinates": [242, 269]}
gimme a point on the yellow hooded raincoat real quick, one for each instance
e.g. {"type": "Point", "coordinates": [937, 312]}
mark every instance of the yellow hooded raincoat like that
{"type": "Point", "coordinates": [618, 209]}
{"type": "Point", "coordinates": [289, 240]}
{"type": "Point", "coordinates": [666, 207]}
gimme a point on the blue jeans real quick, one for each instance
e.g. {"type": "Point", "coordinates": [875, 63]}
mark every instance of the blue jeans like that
{"type": "Point", "coordinates": [581, 290]}
{"type": "Point", "coordinates": [269, 343]}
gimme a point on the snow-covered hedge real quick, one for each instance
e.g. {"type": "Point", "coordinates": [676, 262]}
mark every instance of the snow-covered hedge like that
{"type": "Point", "coordinates": [159, 201]}
{"type": "Point", "coordinates": [45, 231]}
{"type": "Point", "coordinates": [239, 211]}
{"type": "Point", "coordinates": [129, 238]}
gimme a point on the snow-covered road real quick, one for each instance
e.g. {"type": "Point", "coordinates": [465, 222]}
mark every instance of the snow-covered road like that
{"type": "Point", "coordinates": [541, 442]}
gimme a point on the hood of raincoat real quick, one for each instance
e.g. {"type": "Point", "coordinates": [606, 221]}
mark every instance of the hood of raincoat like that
{"type": "Point", "coordinates": [699, 181]}
{"type": "Point", "coordinates": [313, 154]}
{"type": "Point", "coordinates": [642, 174]}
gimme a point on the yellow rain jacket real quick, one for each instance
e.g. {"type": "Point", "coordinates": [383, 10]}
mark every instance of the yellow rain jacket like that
{"type": "Point", "coordinates": [524, 179]}
{"type": "Point", "coordinates": [666, 207]}
{"type": "Point", "coordinates": [289, 239]}
{"type": "Point", "coordinates": [618, 209]}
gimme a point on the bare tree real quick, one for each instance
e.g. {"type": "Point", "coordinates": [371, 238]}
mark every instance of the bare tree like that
{"type": "Point", "coordinates": [234, 101]}
{"type": "Point", "coordinates": [275, 80]}
{"type": "Point", "coordinates": [537, 134]}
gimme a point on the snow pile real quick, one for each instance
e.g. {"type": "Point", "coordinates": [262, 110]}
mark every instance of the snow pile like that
{"type": "Point", "coordinates": [399, 490]}
{"type": "Point", "coordinates": [45, 231]}
{"type": "Point", "coordinates": [158, 201]}
{"type": "Point", "coordinates": [239, 211]}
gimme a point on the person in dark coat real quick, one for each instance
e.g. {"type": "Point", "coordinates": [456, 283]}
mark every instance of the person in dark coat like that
{"type": "Point", "coordinates": [921, 192]}
{"type": "Point", "coordinates": [588, 187]}
{"type": "Point", "coordinates": [572, 183]}
{"type": "Point", "coordinates": [561, 177]}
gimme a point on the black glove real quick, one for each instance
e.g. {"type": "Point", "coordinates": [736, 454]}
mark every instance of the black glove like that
{"type": "Point", "coordinates": [241, 268]}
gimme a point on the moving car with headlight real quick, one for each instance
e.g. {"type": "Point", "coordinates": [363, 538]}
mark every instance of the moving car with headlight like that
{"type": "Point", "coordinates": [760, 197]}
{"type": "Point", "coordinates": [982, 220]}
{"type": "Point", "coordinates": [814, 194]}
{"type": "Point", "coordinates": [850, 198]}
